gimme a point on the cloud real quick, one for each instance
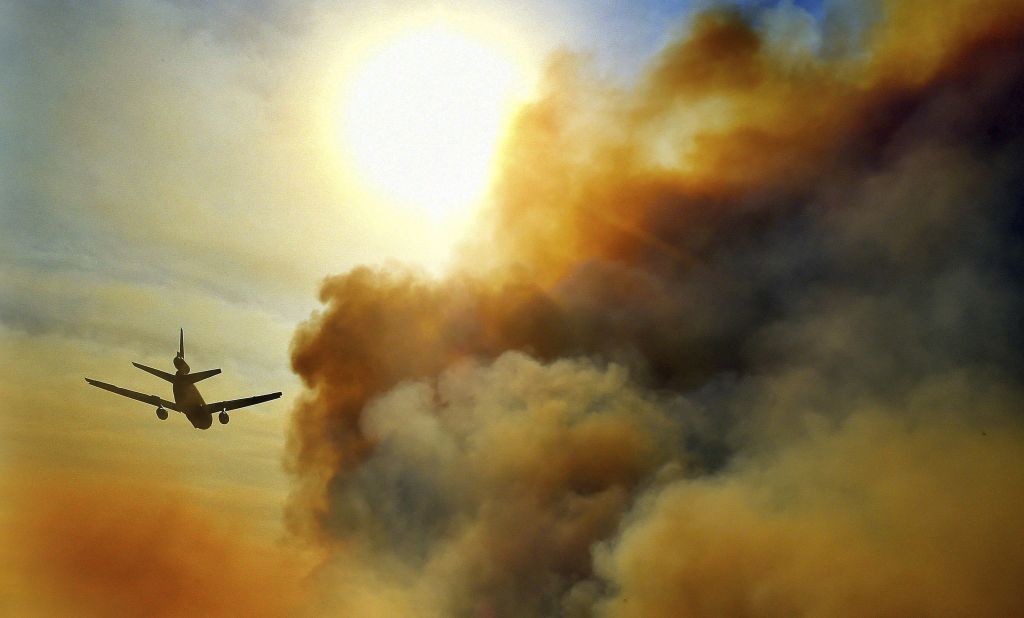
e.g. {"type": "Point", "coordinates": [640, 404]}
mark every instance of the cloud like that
{"type": "Point", "coordinates": [177, 144]}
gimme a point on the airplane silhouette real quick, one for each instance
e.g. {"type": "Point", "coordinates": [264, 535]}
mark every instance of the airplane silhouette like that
{"type": "Point", "coordinates": [187, 399]}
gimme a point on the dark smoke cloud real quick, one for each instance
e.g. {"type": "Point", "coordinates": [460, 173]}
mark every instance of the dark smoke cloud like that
{"type": "Point", "coordinates": [743, 340]}
{"type": "Point", "coordinates": [485, 486]}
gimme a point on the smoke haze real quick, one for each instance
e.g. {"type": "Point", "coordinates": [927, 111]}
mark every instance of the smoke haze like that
{"type": "Point", "coordinates": [129, 548]}
{"type": "Point", "coordinates": [741, 339]}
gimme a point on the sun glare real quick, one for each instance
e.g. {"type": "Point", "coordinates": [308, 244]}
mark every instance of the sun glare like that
{"type": "Point", "coordinates": [422, 114]}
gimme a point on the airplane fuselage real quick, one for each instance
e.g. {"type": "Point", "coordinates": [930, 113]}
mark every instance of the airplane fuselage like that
{"type": "Point", "coordinates": [187, 397]}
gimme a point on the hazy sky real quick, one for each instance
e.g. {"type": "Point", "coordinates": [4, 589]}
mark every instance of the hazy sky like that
{"type": "Point", "coordinates": [733, 328]}
{"type": "Point", "coordinates": [170, 164]}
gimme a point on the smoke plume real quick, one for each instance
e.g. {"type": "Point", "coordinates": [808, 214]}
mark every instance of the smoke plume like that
{"type": "Point", "coordinates": [742, 339]}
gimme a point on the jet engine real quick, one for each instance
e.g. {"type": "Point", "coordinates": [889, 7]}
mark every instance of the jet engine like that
{"type": "Point", "coordinates": [223, 418]}
{"type": "Point", "coordinates": [181, 365]}
{"type": "Point", "coordinates": [161, 414]}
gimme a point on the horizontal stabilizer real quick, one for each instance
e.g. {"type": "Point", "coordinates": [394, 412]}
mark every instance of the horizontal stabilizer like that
{"type": "Point", "coordinates": [192, 378]}
{"type": "Point", "coordinates": [160, 374]}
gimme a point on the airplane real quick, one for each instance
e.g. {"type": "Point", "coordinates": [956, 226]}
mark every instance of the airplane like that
{"type": "Point", "coordinates": [187, 399]}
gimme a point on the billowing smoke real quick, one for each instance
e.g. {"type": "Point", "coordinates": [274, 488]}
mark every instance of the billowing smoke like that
{"type": "Point", "coordinates": [743, 339]}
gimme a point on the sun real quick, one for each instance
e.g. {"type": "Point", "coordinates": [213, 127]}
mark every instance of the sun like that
{"type": "Point", "coordinates": [423, 111]}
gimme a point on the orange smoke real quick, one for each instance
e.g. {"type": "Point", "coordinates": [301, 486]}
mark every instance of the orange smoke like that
{"type": "Point", "coordinates": [878, 519]}
{"type": "Point", "coordinates": [720, 339]}
{"type": "Point", "coordinates": [722, 114]}
{"type": "Point", "coordinates": [123, 549]}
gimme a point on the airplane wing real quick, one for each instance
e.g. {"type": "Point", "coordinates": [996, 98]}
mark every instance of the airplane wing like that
{"type": "Point", "coordinates": [234, 404]}
{"type": "Point", "coordinates": [124, 392]}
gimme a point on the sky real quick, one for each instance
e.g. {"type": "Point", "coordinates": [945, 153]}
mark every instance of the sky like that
{"type": "Point", "coordinates": [579, 309]}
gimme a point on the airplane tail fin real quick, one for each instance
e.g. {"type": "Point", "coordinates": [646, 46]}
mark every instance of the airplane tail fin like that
{"type": "Point", "coordinates": [199, 375]}
{"type": "Point", "coordinates": [181, 343]}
